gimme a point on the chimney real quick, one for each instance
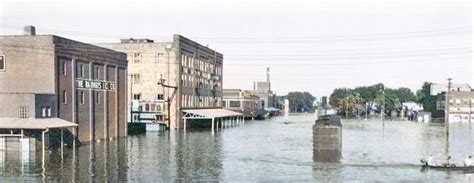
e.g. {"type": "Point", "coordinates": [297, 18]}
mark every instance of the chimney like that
{"type": "Point", "coordinates": [29, 30]}
{"type": "Point", "coordinates": [268, 74]}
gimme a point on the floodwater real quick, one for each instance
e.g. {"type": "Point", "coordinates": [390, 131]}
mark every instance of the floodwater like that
{"type": "Point", "coordinates": [269, 150]}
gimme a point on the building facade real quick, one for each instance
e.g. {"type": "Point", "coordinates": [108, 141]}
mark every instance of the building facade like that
{"type": "Point", "coordinates": [195, 70]}
{"type": "Point", "coordinates": [460, 105]}
{"type": "Point", "coordinates": [241, 101]}
{"type": "Point", "coordinates": [47, 76]}
{"type": "Point", "coordinates": [263, 91]}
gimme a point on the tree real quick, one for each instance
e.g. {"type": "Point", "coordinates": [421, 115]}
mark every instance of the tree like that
{"type": "Point", "coordinates": [378, 94]}
{"type": "Point", "coordinates": [300, 101]}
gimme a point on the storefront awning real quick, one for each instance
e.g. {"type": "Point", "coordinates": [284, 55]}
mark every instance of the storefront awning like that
{"type": "Point", "coordinates": [34, 123]}
{"type": "Point", "coordinates": [209, 113]}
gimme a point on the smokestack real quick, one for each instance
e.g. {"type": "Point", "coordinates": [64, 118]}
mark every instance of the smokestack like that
{"type": "Point", "coordinates": [268, 74]}
{"type": "Point", "coordinates": [29, 30]}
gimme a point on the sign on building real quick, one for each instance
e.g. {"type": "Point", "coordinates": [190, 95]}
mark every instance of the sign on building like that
{"type": "Point", "coordinates": [88, 84]}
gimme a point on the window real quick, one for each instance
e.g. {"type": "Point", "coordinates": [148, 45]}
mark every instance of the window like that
{"type": "Point", "coordinates": [136, 57]}
{"type": "Point", "coordinates": [81, 70]}
{"type": "Point", "coordinates": [97, 72]}
{"type": "Point", "coordinates": [159, 117]}
{"type": "Point", "coordinates": [97, 98]}
{"type": "Point", "coordinates": [136, 78]}
{"type": "Point", "coordinates": [147, 107]}
{"type": "Point", "coordinates": [46, 111]}
{"type": "Point", "coordinates": [158, 55]}
{"type": "Point", "coordinates": [64, 68]}
{"type": "Point", "coordinates": [159, 97]}
{"type": "Point", "coordinates": [64, 97]}
{"type": "Point", "coordinates": [234, 103]}
{"type": "Point", "coordinates": [23, 113]}
{"type": "Point", "coordinates": [2, 63]}
{"type": "Point", "coordinates": [82, 97]}
{"type": "Point", "coordinates": [136, 96]}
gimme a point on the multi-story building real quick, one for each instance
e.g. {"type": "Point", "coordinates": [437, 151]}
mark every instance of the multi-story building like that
{"type": "Point", "coordinates": [460, 105]}
{"type": "Point", "coordinates": [195, 70]}
{"type": "Point", "coordinates": [47, 76]}
{"type": "Point", "coordinates": [264, 92]}
{"type": "Point", "coordinates": [241, 101]}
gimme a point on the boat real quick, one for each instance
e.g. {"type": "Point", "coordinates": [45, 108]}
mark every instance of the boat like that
{"type": "Point", "coordinates": [445, 167]}
{"type": "Point", "coordinates": [449, 168]}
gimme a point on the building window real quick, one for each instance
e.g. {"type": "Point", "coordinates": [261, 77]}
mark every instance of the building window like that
{"type": "Point", "coordinates": [158, 55]}
{"type": "Point", "coordinates": [81, 71]}
{"type": "Point", "coordinates": [159, 97]}
{"type": "Point", "coordinates": [97, 98]}
{"type": "Point", "coordinates": [64, 97]}
{"type": "Point", "coordinates": [46, 111]}
{"type": "Point", "coordinates": [2, 63]}
{"type": "Point", "coordinates": [234, 103]}
{"type": "Point", "coordinates": [64, 69]}
{"type": "Point", "coordinates": [83, 98]}
{"type": "Point", "coordinates": [136, 96]}
{"type": "Point", "coordinates": [97, 72]}
{"type": "Point", "coordinates": [136, 78]}
{"type": "Point", "coordinates": [136, 57]}
{"type": "Point", "coordinates": [23, 112]}
{"type": "Point", "coordinates": [159, 118]}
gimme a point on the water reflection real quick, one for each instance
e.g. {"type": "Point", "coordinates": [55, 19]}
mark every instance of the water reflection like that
{"type": "Point", "coordinates": [257, 151]}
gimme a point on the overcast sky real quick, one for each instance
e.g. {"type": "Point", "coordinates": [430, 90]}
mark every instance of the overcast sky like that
{"type": "Point", "coordinates": [312, 47]}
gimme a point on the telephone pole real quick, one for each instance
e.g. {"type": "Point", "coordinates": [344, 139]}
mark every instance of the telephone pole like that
{"type": "Point", "coordinates": [446, 107]}
{"type": "Point", "coordinates": [169, 98]}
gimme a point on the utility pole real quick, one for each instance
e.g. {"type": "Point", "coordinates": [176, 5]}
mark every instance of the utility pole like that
{"type": "Point", "coordinates": [446, 108]}
{"type": "Point", "coordinates": [366, 110]}
{"type": "Point", "coordinates": [382, 110]}
{"type": "Point", "coordinates": [347, 107]}
{"type": "Point", "coordinates": [131, 98]}
{"type": "Point", "coordinates": [470, 111]}
{"type": "Point", "coordinates": [169, 98]}
{"type": "Point", "coordinates": [446, 115]}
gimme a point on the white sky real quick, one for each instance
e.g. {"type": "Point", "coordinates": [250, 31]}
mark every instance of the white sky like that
{"type": "Point", "coordinates": [309, 46]}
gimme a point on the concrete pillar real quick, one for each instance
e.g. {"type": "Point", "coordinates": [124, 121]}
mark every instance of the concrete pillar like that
{"type": "Point", "coordinates": [184, 121]}
{"type": "Point", "coordinates": [212, 125]}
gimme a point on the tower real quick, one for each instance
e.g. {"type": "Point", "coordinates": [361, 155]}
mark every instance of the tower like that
{"type": "Point", "coordinates": [268, 74]}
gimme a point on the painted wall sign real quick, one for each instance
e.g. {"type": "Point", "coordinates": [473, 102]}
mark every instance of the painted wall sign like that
{"type": "Point", "coordinates": [88, 84]}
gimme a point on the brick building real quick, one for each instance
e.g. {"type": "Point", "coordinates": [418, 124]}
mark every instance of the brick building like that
{"type": "Point", "coordinates": [47, 76]}
{"type": "Point", "coordinates": [241, 101]}
{"type": "Point", "coordinates": [194, 69]}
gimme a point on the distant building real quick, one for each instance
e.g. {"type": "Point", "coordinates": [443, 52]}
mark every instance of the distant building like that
{"type": "Point", "coordinates": [51, 77]}
{"type": "Point", "coordinates": [264, 92]}
{"type": "Point", "coordinates": [194, 69]}
{"type": "Point", "coordinates": [241, 101]}
{"type": "Point", "coordinates": [436, 89]}
{"type": "Point", "coordinates": [460, 105]}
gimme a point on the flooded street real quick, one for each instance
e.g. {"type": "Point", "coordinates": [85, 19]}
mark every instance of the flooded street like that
{"type": "Point", "coordinates": [270, 150]}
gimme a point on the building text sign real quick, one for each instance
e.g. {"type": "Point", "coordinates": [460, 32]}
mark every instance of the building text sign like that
{"type": "Point", "coordinates": [88, 84]}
